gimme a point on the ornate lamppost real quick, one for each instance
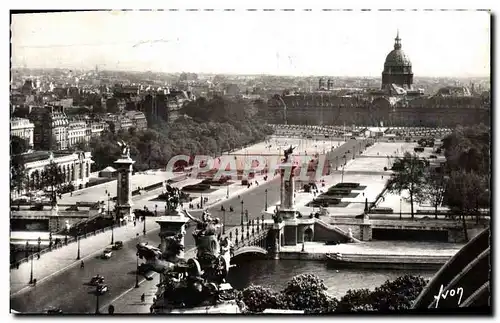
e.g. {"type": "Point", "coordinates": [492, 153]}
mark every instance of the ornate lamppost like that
{"type": "Point", "coordinates": [78, 242]}
{"type": "Point", "coordinates": [223, 220]}
{"type": "Point", "coordinates": [137, 271]}
{"type": "Point", "coordinates": [242, 227]}
{"type": "Point", "coordinates": [31, 271]}
{"type": "Point", "coordinates": [266, 200]}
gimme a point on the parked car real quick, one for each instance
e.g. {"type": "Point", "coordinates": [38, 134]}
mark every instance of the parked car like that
{"type": "Point", "coordinates": [107, 253]}
{"type": "Point", "coordinates": [96, 280]}
{"type": "Point", "coordinates": [102, 289]}
{"type": "Point", "coordinates": [117, 245]}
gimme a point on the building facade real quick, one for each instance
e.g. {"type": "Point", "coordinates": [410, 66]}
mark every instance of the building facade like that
{"type": "Point", "coordinates": [22, 128]}
{"type": "Point", "coordinates": [75, 167]}
{"type": "Point", "coordinates": [77, 133]}
{"type": "Point", "coordinates": [50, 131]}
{"type": "Point", "coordinates": [396, 104]}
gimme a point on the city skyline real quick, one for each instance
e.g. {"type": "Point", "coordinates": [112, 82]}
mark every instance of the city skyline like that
{"type": "Point", "coordinates": [319, 45]}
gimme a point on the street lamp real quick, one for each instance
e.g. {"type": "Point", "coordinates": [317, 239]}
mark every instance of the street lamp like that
{"type": "Point", "coordinates": [108, 202]}
{"type": "Point", "coordinates": [31, 272]}
{"type": "Point", "coordinates": [39, 243]}
{"type": "Point", "coordinates": [342, 179]}
{"type": "Point", "coordinates": [113, 231]}
{"type": "Point", "coordinates": [223, 220]}
{"type": "Point", "coordinates": [78, 242]}
{"type": "Point", "coordinates": [266, 199]}
{"type": "Point", "coordinates": [201, 200]}
{"type": "Point", "coordinates": [97, 300]}
{"type": "Point", "coordinates": [137, 270]}
{"type": "Point", "coordinates": [242, 213]}
{"type": "Point", "coordinates": [400, 202]}
{"type": "Point", "coordinates": [144, 221]}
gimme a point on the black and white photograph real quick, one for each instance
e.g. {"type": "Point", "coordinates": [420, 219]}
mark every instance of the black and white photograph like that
{"type": "Point", "coordinates": [250, 162]}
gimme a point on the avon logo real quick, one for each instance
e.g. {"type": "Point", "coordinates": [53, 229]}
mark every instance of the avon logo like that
{"type": "Point", "coordinates": [451, 293]}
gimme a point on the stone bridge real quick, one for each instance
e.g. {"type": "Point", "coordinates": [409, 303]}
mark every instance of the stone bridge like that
{"type": "Point", "coordinates": [251, 237]}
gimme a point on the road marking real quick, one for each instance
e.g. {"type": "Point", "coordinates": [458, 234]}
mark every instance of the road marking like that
{"type": "Point", "coordinates": [24, 289]}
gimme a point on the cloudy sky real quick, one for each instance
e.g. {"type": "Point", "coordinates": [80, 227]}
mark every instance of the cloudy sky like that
{"type": "Point", "coordinates": [283, 43]}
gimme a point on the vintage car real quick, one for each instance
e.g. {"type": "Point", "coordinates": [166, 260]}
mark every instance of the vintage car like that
{"type": "Point", "coordinates": [117, 245]}
{"type": "Point", "coordinates": [96, 280]}
{"type": "Point", "coordinates": [107, 253]}
{"type": "Point", "coordinates": [102, 289]}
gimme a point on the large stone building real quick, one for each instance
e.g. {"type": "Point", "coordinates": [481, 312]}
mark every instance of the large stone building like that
{"type": "Point", "coordinates": [398, 103]}
{"type": "Point", "coordinates": [51, 125]}
{"type": "Point", "coordinates": [22, 128]}
{"type": "Point", "coordinates": [77, 133]}
{"type": "Point", "coordinates": [75, 167]}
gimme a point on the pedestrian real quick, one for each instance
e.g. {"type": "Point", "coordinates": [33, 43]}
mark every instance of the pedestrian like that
{"type": "Point", "coordinates": [135, 223]}
{"type": "Point", "coordinates": [38, 256]}
{"type": "Point", "coordinates": [143, 298]}
{"type": "Point", "coordinates": [82, 265]}
{"type": "Point", "coordinates": [198, 205]}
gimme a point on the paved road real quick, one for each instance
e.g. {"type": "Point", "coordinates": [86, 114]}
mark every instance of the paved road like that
{"type": "Point", "coordinates": [253, 201]}
{"type": "Point", "coordinates": [69, 291]}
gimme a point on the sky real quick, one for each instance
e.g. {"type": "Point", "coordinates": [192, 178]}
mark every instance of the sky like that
{"type": "Point", "coordinates": [301, 43]}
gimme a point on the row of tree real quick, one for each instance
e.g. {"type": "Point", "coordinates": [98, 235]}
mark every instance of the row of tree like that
{"type": "Point", "coordinates": [462, 184]}
{"type": "Point", "coordinates": [208, 127]}
{"type": "Point", "coordinates": [307, 292]}
{"type": "Point", "coordinates": [51, 178]}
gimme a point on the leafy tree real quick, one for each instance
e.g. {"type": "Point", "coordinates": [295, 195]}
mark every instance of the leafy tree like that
{"type": "Point", "coordinates": [466, 193]}
{"type": "Point", "coordinates": [354, 300]}
{"type": "Point", "coordinates": [18, 145]}
{"type": "Point", "coordinates": [468, 148]}
{"type": "Point", "coordinates": [112, 105]}
{"type": "Point", "coordinates": [257, 299]}
{"type": "Point", "coordinates": [17, 173]}
{"type": "Point", "coordinates": [408, 175]}
{"type": "Point", "coordinates": [53, 177]}
{"type": "Point", "coordinates": [398, 294]}
{"type": "Point", "coordinates": [307, 292]}
{"type": "Point", "coordinates": [433, 189]}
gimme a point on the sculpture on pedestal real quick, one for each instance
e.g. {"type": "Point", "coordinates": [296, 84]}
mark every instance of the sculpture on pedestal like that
{"type": "Point", "coordinates": [288, 152]}
{"type": "Point", "coordinates": [125, 149]}
{"type": "Point", "coordinates": [199, 281]}
{"type": "Point", "coordinates": [173, 198]}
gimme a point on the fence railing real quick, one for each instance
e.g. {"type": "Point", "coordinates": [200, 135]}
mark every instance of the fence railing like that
{"type": "Point", "coordinates": [70, 240]}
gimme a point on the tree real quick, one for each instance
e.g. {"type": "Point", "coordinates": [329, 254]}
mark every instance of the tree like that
{"type": "Point", "coordinates": [257, 299]}
{"type": "Point", "coordinates": [18, 174]}
{"type": "Point", "coordinates": [467, 193]}
{"type": "Point", "coordinates": [53, 177]}
{"type": "Point", "coordinates": [18, 145]}
{"type": "Point", "coordinates": [307, 292]}
{"type": "Point", "coordinates": [408, 175]}
{"type": "Point", "coordinates": [433, 189]}
{"type": "Point", "coordinates": [398, 294]}
{"type": "Point", "coordinates": [354, 300]}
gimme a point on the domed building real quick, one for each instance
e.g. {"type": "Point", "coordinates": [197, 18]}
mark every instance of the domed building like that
{"type": "Point", "coordinates": [397, 68]}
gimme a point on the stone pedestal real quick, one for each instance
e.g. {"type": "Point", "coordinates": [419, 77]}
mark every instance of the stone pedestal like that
{"type": "Point", "coordinates": [123, 188]}
{"type": "Point", "coordinates": [287, 186]}
{"type": "Point", "coordinates": [170, 225]}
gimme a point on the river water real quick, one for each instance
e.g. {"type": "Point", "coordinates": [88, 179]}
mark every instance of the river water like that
{"type": "Point", "coordinates": [275, 274]}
